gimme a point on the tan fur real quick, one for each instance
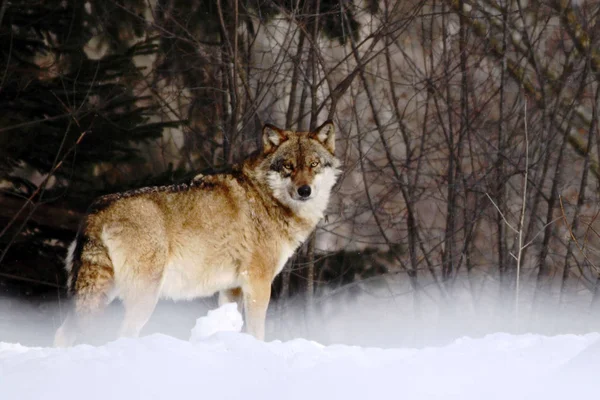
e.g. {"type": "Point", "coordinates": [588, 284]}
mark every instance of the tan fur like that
{"type": "Point", "coordinates": [228, 233]}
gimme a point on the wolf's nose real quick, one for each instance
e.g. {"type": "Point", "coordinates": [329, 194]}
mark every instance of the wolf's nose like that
{"type": "Point", "coordinates": [304, 191]}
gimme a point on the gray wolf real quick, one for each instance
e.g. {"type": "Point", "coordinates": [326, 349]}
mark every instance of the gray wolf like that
{"type": "Point", "coordinates": [229, 233]}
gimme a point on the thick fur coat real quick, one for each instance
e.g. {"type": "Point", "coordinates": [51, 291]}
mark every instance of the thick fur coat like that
{"type": "Point", "coordinates": [228, 233]}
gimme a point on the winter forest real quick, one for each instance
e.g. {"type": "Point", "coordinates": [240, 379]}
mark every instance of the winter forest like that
{"type": "Point", "coordinates": [467, 130]}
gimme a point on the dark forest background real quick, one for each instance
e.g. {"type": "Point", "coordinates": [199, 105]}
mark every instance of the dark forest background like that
{"type": "Point", "coordinates": [468, 131]}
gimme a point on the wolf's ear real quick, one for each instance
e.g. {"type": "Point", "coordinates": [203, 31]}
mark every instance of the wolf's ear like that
{"type": "Point", "coordinates": [326, 135]}
{"type": "Point", "coordinates": [272, 137]}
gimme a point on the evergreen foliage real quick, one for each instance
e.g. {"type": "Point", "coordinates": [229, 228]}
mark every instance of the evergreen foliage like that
{"type": "Point", "coordinates": [62, 114]}
{"type": "Point", "coordinates": [75, 107]}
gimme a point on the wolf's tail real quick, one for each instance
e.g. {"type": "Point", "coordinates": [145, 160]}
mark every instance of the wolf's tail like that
{"type": "Point", "coordinates": [90, 279]}
{"type": "Point", "coordinates": [73, 260]}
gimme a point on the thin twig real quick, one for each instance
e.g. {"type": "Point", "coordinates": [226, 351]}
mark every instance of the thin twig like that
{"type": "Point", "coordinates": [523, 208]}
{"type": "Point", "coordinates": [501, 214]}
{"type": "Point", "coordinates": [30, 280]}
{"type": "Point", "coordinates": [564, 216]}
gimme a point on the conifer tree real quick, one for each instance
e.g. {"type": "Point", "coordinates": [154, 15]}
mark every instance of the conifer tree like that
{"type": "Point", "coordinates": [63, 113]}
{"type": "Point", "coordinates": [72, 114]}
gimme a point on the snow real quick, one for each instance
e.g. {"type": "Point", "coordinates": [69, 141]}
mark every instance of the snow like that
{"type": "Point", "coordinates": [223, 319]}
{"type": "Point", "coordinates": [220, 362]}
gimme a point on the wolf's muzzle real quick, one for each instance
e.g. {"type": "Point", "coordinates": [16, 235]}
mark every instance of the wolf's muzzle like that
{"type": "Point", "coordinates": [304, 191]}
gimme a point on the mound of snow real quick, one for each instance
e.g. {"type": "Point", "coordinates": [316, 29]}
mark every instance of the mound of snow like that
{"type": "Point", "coordinates": [226, 318]}
{"type": "Point", "coordinates": [231, 365]}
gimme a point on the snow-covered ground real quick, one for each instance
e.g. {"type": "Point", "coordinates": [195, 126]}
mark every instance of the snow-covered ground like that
{"type": "Point", "coordinates": [218, 362]}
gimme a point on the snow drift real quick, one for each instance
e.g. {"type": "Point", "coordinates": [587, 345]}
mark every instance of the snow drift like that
{"type": "Point", "coordinates": [232, 365]}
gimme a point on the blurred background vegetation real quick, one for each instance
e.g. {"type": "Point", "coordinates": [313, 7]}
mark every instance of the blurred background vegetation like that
{"type": "Point", "coordinates": [468, 131]}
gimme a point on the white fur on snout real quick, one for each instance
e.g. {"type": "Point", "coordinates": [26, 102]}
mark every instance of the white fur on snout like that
{"type": "Point", "coordinates": [280, 187]}
{"type": "Point", "coordinates": [312, 207]}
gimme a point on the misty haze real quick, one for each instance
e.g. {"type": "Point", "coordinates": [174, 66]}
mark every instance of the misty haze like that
{"type": "Point", "coordinates": [457, 254]}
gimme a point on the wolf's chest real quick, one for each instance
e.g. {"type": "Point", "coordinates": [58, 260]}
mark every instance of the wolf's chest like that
{"type": "Point", "coordinates": [287, 250]}
{"type": "Point", "coordinates": [192, 274]}
{"type": "Point", "coordinates": [201, 272]}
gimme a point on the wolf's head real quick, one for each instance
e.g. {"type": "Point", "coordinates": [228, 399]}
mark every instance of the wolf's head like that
{"type": "Point", "coordinates": [301, 167]}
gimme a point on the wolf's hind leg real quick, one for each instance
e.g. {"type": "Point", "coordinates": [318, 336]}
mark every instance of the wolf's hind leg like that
{"type": "Point", "coordinates": [141, 291]}
{"type": "Point", "coordinates": [139, 250]}
{"type": "Point", "coordinates": [139, 306]}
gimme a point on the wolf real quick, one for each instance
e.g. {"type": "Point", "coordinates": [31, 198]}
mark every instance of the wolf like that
{"type": "Point", "coordinates": [230, 233]}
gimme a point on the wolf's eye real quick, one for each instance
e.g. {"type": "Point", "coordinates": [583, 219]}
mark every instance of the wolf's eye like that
{"type": "Point", "coordinates": [314, 164]}
{"type": "Point", "coordinates": [288, 167]}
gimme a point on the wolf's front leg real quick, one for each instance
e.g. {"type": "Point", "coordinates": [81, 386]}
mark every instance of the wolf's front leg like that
{"type": "Point", "coordinates": [256, 301]}
{"type": "Point", "coordinates": [231, 296]}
